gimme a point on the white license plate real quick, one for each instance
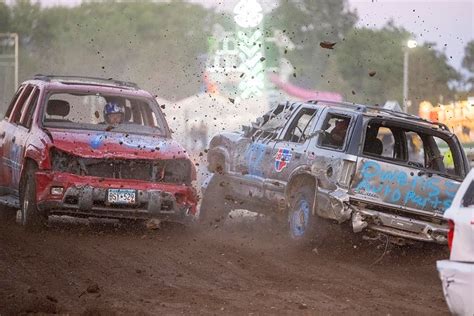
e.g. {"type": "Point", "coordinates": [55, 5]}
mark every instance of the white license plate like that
{"type": "Point", "coordinates": [121, 196]}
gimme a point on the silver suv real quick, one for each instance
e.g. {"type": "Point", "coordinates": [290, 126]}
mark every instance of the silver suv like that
{"type": "Point", "coordinates": [382, 171]}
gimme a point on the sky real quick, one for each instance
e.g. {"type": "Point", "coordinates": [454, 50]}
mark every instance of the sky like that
{"type": "Point", "coordinates": [448, 23]}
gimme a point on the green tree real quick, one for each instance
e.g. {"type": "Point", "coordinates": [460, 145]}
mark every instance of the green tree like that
{"type": "Point", "coordinates": [4, 17]}
{"type": "Point", "coordinates": [468, 62]}
{"type": "Point", "coordinates": [307, 23]}
{"type": "Point", "coordinates": [370, 62]}
{"type": "Point", "coordinates": [430, 76]}
{"type": "Point", "coordinates": [155, 44]}
{"type": "Point", "coordinates": [24, 19]}
{"type": "Point", "coordinates": [378, 52]}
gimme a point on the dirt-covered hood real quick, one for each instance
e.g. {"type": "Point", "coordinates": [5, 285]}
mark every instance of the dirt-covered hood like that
{"type": "Point", "coordinates": [101, 144]}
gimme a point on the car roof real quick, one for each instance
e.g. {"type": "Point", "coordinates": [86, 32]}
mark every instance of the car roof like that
{"type": "Point", "coordinates": [84, 84]}
{"type": "Point", "coordinates": [377, 112]}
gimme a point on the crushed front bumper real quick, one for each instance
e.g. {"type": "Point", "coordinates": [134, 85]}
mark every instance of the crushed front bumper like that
{"type": "Point", "coordinates": [399, 226]}
{"type": "Point", "coordinates": [85, 196]}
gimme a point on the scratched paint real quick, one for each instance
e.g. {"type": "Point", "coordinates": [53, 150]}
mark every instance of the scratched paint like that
{"type": "Point", "coordinates": [15, 157]}
{"type": "Point", "coordinates": [405, 188]}
{"type": "Point", "coordinates": [135, 142]}
{"type": "Point", "coordinates": [132, 142]}
{"type": "Point", "coordinates": [97, 141]}
{"type": "Point", "coordinates": [254, 156]}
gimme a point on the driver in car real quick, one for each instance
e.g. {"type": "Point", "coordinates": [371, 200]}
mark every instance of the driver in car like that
{"type": "Point", "coordinates": [338, 133]}
{"type": "Point", "coordinates": [114, 113]}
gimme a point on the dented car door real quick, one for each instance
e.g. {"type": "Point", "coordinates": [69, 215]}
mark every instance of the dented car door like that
{"type": "Point", "coordinates": [333, 156]}
{"type": "Point", "coordinates": [402, 168]}
{"type": "Point", "coordinates": [290, 152]}
{"type": "Point", "coordinates": [12, 149]}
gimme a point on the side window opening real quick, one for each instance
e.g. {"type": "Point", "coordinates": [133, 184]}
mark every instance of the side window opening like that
{"type": "Point", "coordinates": [418, 149]}
{"type": "Point", "coordinates": [18, 109]}
{"type": "Point", "coordinates": [373, 144]}
{"type": "Point", "coordinates": [299, 129]}
{"type": "Point", "coordinates": [441, 157]}
{"type": "Point", "coordinates": [382, 141]}
{"type": "Point", "coordinates": [270, 124]}
{"type": "Point", "coordinates": [335, 130]}
{"type": "Point", "coordinates": [388, 142]}
{"type": "Point", "coordinates": [13, 101]}
{"type": "Point", "coordinates": [27, 118]}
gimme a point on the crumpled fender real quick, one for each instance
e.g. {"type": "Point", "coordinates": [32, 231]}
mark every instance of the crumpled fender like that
{"type": "Point", "coordinates": [332, 199]}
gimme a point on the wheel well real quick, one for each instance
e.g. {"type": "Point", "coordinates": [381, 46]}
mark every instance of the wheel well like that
{"type": "Point", "coordinates": [297, 182]}
{"type": "Point", "coordinates": [26, 166]}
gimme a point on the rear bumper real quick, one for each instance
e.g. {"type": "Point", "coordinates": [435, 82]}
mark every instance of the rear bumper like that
{"type": "Point", "coordinates": [399, 226]}
{"type": "Point", "coordinates": [458, 285]}
{"type": "Point", "coordinates": [85, 196]}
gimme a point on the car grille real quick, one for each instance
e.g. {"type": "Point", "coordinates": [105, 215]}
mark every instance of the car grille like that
{"type": "Point", "coordinates": [168, 171]}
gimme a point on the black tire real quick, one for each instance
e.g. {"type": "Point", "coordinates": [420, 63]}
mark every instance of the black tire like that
{"type": "Point", "coordinates": [301, 222]}
{"type": "Point", "coordinates": [8, 214]}
{"type": "Point", "coordinates": [30, 216]}
{"type": "Point", "coordinates": [215, 206]}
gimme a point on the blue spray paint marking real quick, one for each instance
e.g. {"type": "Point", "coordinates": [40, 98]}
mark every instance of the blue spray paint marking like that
{"type": "Point", "coordinates": [97, 141]}
{"type": "Point", "coordinates": [254, 157]}
{"type": "Point", "coordinates": [396, 186]}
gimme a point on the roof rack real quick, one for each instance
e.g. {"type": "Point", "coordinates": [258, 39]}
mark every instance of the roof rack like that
{"type": "Point", "coordinates": [409, 116]}
{"type": "Point", "coordinates": [358, 107]}
{"type": "Point", "coordinates": [364, 108]}
{"type": "Point", "coordinates": [86, 80]}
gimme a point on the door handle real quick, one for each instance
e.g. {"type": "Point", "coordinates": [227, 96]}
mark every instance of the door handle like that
{"type": "Point", "coordinates": [2, 135]}
{"type": "Point", "coordinates": [13, 139]}
{"type": "Point", "coordinates": [297, 155]}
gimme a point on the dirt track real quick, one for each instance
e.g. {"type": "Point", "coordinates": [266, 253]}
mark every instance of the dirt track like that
{"type": "Point", "coordinates": [234, 269]}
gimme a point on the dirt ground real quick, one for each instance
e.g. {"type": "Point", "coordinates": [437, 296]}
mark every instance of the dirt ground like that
{"type": "Point", "coordinates": [100, 268]}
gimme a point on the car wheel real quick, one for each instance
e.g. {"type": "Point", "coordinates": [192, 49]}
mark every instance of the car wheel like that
{"type": "Point", "coordinates": [30, 215]}
{"type": "Point", "coordinates": [300, 217]}
{"type": "Point", "coordinates": [214, 205]}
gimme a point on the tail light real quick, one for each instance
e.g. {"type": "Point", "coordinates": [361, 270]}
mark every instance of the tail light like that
{"type": "Point", "coordinates": [450, 234]}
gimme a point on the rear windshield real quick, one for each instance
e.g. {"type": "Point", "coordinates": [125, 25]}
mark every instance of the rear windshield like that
{"type": "Point", "coordinates": [103, 112]}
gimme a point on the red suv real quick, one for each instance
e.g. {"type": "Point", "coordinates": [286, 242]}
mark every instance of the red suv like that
{"type": "Point", "coordinates": [62, 154]}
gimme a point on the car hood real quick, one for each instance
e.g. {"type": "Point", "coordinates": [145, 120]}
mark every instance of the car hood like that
{"type": "Point", "coordinates": [100, 144]}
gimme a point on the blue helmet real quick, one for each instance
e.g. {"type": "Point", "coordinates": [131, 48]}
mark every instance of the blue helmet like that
{"type": "Point", "coordinates": [113, 107]}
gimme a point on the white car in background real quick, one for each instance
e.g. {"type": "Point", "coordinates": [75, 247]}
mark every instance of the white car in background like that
{"type": "Point", "coordinates": [457, 273]}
